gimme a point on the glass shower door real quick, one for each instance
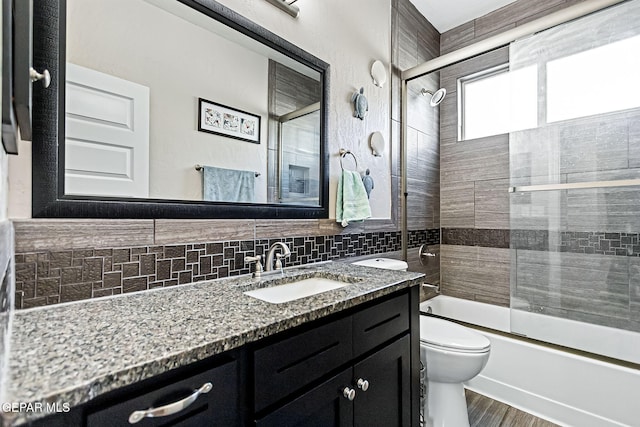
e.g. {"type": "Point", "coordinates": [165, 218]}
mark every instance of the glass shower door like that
{"type": "Point", "coordinates": [575, 187]}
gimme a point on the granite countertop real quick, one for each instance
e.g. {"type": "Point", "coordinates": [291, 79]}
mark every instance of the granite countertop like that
{"type": "Point", "coordinates": [74, 352]}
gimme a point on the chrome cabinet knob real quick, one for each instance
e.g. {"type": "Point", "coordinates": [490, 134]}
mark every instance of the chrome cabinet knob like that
{"type": "Point", "coordinates": [349, 393]}
{"type": "Point", "coordinates": [45, 77]}
{"type": "Point", "coordinates": [362, 384]}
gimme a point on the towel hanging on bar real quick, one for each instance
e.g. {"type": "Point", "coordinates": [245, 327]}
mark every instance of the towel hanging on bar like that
{"type": "Point", "coordinates": [228, 185]}
{"type": "Point", "coordinates": [352, 203]}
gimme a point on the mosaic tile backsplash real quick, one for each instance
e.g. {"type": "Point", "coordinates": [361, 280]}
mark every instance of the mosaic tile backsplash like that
{"type": "Point", "coordinates": [51, 277]}
{"type": "Point", "coordinates": [602, 243]}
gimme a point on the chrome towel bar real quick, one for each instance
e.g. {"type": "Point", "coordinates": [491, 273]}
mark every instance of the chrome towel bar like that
{"type": "Point", "coordinates": [200, 167]}
{"type": "Point", "coordinates": [575, 185]}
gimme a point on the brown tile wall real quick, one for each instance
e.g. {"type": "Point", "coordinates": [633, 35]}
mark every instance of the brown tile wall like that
{"type": "Point", "coordinates": [475, 273]}
{"type": "Point", "coordinates": [505, 18]}
{"type": "Point", "coordinates": [414, 41]}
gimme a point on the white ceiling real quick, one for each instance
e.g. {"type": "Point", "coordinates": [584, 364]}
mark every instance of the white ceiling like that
{"type": "Point", "coordinates": [448, 14]}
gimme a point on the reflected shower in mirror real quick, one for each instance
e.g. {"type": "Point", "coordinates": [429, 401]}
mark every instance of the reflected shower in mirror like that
{"type": "Point", "coordinates": [132, 110]}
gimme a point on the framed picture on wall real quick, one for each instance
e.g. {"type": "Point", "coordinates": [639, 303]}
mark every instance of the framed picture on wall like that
{"type": "Point", "coordinates": [228, 121]}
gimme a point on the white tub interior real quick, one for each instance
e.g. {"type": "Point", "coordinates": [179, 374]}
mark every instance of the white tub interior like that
{"type": "Point", "coordinates": [559, 386]}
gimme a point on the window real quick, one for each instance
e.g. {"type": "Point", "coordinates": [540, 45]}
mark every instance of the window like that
{"type": "Point", "coordinates": [497, 101]}
{"type": "Point", "coordinates": [595, 81]}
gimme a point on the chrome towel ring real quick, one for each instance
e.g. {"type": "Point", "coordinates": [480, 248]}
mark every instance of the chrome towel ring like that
{"type": "Point", "coordinates": [343, 153]}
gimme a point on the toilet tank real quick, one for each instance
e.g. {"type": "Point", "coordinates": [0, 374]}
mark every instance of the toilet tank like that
{"type": "Point", "coordinates": [385, 263]}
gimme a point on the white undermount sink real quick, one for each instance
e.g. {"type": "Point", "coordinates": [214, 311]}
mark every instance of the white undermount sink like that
{"type": "Point", "coordinates": [296, 290]}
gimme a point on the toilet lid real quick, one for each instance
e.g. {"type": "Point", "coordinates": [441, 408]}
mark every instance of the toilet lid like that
{"type": "Point", "coordinates": [386, 263]}
{"type": "Point", "coordinates": [447, 334]}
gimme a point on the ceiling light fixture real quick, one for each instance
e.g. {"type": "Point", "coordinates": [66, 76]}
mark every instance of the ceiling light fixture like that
{"type": "Point", "coordinates": [287, 6]}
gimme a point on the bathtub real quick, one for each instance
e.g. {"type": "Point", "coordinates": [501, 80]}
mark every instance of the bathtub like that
{"type": "Point", "coordinates": [562, 387]}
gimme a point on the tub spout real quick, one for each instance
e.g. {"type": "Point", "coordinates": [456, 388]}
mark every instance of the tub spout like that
{"type": "Point", "coordinates": [429, 286]}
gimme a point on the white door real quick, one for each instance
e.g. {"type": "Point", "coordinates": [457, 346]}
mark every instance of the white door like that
{"type": "Point", "coordinates": [107, 135]}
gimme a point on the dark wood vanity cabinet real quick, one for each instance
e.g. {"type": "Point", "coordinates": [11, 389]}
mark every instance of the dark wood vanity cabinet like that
{"type": "Point", "coordinates": [366, 376]}
{"type": "Point", "coordinates": [384, 403]}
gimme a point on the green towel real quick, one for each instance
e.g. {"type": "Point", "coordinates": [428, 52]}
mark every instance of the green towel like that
{"type": "Point", "coordinates": [352, 203]}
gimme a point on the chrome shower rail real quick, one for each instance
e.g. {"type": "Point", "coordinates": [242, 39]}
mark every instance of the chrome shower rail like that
{"type": "Point", "coordinates": [575, 185]}
{"type": "Point", "coordinates": [502, 39]}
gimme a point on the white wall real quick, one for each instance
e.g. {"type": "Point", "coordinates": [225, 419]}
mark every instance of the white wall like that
{"type": "Point", "coordinates": [19, 189]}
{"type": "Point", "coordinates": [347, 35]}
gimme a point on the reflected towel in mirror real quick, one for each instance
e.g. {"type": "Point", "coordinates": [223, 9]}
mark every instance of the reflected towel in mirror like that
{"type": "Point", "coordinates": [352, 203]}
{"type": "Point", "coordinates": [227, 185]}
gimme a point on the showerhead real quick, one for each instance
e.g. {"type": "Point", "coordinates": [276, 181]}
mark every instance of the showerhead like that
{"type": "Point", "coordinates": [436, 97]}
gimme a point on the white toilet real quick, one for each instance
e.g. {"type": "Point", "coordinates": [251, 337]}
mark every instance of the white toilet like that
{"type": "Point", "coordinates": [451, 353]}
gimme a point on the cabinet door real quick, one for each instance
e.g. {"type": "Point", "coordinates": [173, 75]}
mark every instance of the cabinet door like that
{"type": "Point", "coordinates": [290, 364]}
{"type": "Point", "coordinates": [387, 400]}
{"type": "Point", "coordinates": [323, 406]}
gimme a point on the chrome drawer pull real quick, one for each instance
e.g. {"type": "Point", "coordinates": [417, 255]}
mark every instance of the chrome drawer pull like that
{"type": "Point", "coordinates": [171, 408]}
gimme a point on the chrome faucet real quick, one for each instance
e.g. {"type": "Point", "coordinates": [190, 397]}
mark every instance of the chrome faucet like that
{"type": "Point", "coordinates": [285, 252]}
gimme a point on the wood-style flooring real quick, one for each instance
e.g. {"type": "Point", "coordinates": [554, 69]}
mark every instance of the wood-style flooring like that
{"type": "Point", "coordinates": [486, 412]}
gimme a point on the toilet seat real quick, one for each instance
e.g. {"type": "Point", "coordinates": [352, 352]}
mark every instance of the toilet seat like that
{"type": "Point", "coordinates": [450, 336]}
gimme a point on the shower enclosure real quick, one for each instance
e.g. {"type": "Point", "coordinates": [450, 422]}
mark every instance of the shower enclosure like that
{"type": "Point", "coordinates": [563, 94]}
{"type": "Point", "coordinates": [575, 184]}
{"type": "Point", "coordinates": [298, 177]}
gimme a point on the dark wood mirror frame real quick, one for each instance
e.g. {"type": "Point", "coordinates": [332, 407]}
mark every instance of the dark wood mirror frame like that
{"type": "Point", "coordinates": [48, 148]}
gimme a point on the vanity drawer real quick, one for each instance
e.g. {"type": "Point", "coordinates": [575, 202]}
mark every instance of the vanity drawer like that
{"type": "Point", "coordinates": [288, 365]}
{"type": "Point", "coordinates": [217, 407]}
{"type": "Point", "coordinates": [375, 325]}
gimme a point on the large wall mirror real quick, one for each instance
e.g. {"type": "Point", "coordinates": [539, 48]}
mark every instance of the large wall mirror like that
{"type": "Point", "coordinates": [174, 109]}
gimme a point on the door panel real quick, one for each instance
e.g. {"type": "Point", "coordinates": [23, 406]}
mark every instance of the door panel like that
{"type": "Point", "coordinates": [387, 401]}
{"type": "Point", "coordinates": [323, 406]}
{"type": "Point", "coordinates": [107, 135]}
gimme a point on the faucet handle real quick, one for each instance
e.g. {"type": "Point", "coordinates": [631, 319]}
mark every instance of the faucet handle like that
{"type": "Point", "coordinates": [248, 259]}
{"type": "Point", "coordinates": [279, 261]}
{"type": "Point", "coordinates": [258, 260]}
